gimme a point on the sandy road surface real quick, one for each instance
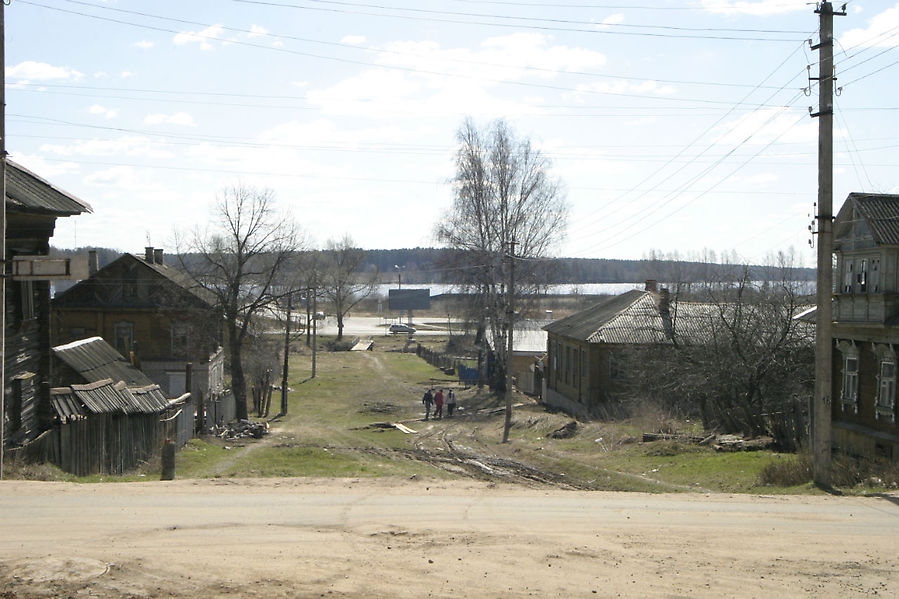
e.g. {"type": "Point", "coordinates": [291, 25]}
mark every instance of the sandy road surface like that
{"type": "Point", "coordinates": [412, 539]}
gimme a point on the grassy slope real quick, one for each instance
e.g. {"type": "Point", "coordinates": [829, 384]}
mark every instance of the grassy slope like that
{"type": "Point", "coordinates": [327, 434]}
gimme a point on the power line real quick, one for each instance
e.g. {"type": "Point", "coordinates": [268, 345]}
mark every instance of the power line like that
{"type": "Point", "coordinates": [377, 65]}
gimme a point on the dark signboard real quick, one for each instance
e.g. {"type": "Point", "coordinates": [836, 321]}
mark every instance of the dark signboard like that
{"type": "Point", "coordinates": [408, 299]}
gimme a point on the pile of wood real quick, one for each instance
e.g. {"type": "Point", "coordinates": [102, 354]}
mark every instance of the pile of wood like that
{"type": "Point", "coordinates": [241, 429]}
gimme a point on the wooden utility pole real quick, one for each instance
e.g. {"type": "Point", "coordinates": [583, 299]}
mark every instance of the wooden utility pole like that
{"type": "Point", "coordinates": [510, 319]}
{"type": "Point", "coordinates": [820, 432]}
{"type": "Point", "coordinates": [286, 356]}
{"type": "Point", "coordinates": [2, 233]}
{"type": "Point", "coordinates": [314, 293]}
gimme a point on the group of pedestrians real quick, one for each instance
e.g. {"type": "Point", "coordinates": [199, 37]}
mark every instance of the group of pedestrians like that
{"type": "Point", "coordinates": [437, 400]}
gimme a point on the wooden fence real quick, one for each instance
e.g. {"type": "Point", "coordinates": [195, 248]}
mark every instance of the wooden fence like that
{"type": "Point", "coordinates": [110, 443]}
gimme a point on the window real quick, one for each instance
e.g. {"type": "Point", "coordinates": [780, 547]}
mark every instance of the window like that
{"type": "Point", "coordinates": [124, 337]}
{"type": "Point", "coordinates": [26, 290]}
{"type": "Point", "coordinates": [886, 389]}
{"type": "Point", "coordinates": [849, 394]}
{"type": "Point", "coordinates": [874, 278]}
{"type": "Point", "coordinates": [180, 340]}
{"type": "Point", "coordinates": [863, 277]}
{"type": "Point", "coordinates": [847, 276]}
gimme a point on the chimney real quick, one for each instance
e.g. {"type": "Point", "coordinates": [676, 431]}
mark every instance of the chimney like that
{"type": "Point", "coordinates": [665, 311]}
{"type": "Point", "coordinates": [93, 263]}
{"type": "Point", "coordinates": [148, 254]}
{"type": "Point", "coordinates": [652, 285]}
{"type": "Point", "coordinates": [157, 256]}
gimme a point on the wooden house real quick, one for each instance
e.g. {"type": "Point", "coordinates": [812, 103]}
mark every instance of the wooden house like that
{"type": "Point", "coordinates": [32, 207]}
{"type": "Point", "coordinates": [154, 314]}
{"type": "Point", "coordinates": [866, 326]}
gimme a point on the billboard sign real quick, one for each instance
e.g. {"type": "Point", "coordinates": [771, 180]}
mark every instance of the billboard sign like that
{"type": "Point", "coordinates": [408, 299]}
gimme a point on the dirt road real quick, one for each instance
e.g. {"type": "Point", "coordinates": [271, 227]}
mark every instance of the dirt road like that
{"type": "Point", "coordinates": [417, 538]}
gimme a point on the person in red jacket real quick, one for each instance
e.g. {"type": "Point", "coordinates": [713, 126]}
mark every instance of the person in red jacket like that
{"type": "Point", "coordinates": [438, 404]}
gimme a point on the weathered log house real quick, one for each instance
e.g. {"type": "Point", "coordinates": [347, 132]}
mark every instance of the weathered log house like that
{"type": "Point", "coordinates": [32, 207]}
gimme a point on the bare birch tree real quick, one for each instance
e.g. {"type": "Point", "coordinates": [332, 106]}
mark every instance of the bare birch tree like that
{"type": "Point", "coordinates": [240, 259]}
{"type": "Point", "coordinates": [506, 208]}
{"type": "Point", "coordinates": [341, 282]}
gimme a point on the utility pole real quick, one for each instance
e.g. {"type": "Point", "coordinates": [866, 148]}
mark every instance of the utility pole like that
{"type": "Point", "coordinates": [286, 356]}
{"type": "Point", "coordinates": [820, 432]}
{"type": "Point", "coordinates": [2, 233]}
{"type": "Point", "coordinates": [312, 290]}
{"type": "Point", "coordinates": [510, 319]}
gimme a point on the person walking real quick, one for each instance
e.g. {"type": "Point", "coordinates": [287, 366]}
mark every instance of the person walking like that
{"type": "Point", "coordinates": [450, 403]}
{"type": "Point", "coordinates": [427, 400]}
{"type": "Point", "coordinates": [438, 404]}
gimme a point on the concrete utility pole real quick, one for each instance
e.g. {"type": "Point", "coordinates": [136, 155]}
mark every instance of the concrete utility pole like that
{"type": "Point", "coordinates": [821, 402]}
{"type": "Point", "coordinates": [510, 318]}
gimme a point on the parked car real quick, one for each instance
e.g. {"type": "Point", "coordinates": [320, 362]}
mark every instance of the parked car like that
{"type": "Point", "coordinates": [401, 328]}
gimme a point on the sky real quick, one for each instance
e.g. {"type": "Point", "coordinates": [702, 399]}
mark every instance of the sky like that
{"type": "Point", "coordinates": [673, 126]}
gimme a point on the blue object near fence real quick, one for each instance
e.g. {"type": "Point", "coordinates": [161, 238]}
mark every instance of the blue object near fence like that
{"type": "Point", "coordinates": [468, 375]}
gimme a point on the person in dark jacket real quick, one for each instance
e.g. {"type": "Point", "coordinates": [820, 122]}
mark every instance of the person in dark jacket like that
{"type": "Point", "coordinates": [427, 400]}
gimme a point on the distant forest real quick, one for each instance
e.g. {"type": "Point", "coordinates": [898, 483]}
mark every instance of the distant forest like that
{"type": "Point", "coordinates": [424, 265]}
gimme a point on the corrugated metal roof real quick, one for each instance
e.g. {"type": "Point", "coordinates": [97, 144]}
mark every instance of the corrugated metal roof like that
{"type": "Point", "coordinates": [96, 360]}
{"type": "Point", "coordinates": [105, 397]}
{"type": "Point", "coordinates": [26, 191]}
{"type": "Point", "coordinates": [881, 214]}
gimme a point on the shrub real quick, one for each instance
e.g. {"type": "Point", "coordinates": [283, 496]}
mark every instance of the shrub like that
{"type": "Point", "coordinates": [787, 471]}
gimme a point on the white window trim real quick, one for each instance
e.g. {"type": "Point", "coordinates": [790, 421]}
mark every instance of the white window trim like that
{"type": "Point", "coordinates": [849, 392]}
{"type": "Point", "coordinates": [887, 408]}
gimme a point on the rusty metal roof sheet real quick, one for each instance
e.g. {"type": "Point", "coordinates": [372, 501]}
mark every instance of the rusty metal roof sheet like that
{"type": "Point", "coordinates": [27, 192]}
{"type": "Point", "coordinates": [95, 360]}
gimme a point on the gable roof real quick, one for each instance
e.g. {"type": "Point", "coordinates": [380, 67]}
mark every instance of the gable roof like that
{"type": "Point", "coordinates": [634, 318]}
{"type": "Point", "coordinates": [70, 297]}
{"type": "Point", "coordinates": [27, 192]}
{"type": "Point", "coordinates": [95, 360]}
{"type": "Point", "coordinates": [880, 212]}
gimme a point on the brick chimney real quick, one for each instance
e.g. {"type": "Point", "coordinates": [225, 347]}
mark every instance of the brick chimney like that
{"type": "Point", "coordinates": [148, 254]}
{"type": "Point", "coordinates": [158, 256]}
{"type": "Point", "coordinates": [652, 285]}
{"type": "Point", "coordinates": [665, 311]}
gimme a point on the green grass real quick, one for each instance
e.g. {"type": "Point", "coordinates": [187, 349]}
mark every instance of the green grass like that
{"type": "Point", "coordinates": [328, 433]}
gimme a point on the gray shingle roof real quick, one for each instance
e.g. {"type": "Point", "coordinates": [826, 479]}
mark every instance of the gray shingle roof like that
{"type": "Point", "coordinates": [96, 360]}
{"type": "Point", "coordinates": [27, 192]}
{"type": "Point", "coordinates": [880, 211]}
{"type": "Point", "coordinates": [634, 318]}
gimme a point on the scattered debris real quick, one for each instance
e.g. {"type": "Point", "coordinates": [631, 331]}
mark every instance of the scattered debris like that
{"type": "Point", "coordinates": [241, 429]}
{"type": "Point", "coordinates": [683, 437]}
{"type": "Point", "coordinates": [564, 432]}
{"type": "Point", "coordinates": [397, 425]}
{"type": "Point", "coordinates": [736, 443]}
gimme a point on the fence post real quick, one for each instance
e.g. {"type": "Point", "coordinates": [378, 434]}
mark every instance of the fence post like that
{"type": "Point", "coordinates": [168, 460]}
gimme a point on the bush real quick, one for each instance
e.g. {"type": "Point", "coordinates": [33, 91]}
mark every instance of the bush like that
{"type": "Point", "coordinates": [787, 471]}
{"type": "Point", "coordinates": [339, 345]}
{"type": "Point", "coordinates": [848, 471]}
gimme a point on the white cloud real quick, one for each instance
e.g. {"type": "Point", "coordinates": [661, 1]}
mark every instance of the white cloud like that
{"type": "Point", "coordinates": [101, 75]}
{"type": "Point", "coordinates": [758, 9]}
{"type": "Point", "coordinates": [353, 39]}
{"type": "Point", "coordinates": [126, 74]}
{"type": "Point", "coordinates": [624, 87]}
{"type": "Point", "coordinates": [765, 126]}
{"type": "Point", "coordinates": [108, 113]}
{"type": "Point", "coordinates": [211, 33]}
{"type": "Point", "coordinates": [882, 32]}
{"type": "Point", "coordinates": [41, 71]}
{"type": "Point", "coordinates": [127, 146]}
{"type": "Point", "coordinates": [257, 31]}
{"type": "Point", "coordinates": [615, 19]}
{"type": "Point", "coordinates": [179, 118]}
{"type": "Point", "coordinates": [144, 44]}
{"type": "Point", "coordinates": [300, 83]}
